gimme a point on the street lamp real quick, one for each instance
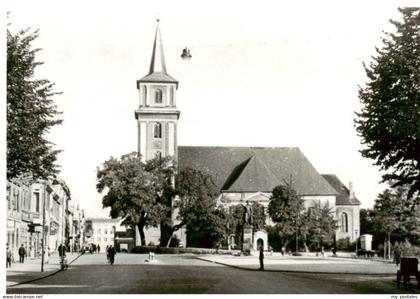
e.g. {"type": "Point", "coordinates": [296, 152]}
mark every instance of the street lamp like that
{"type": "Point", "coordinates": [115, 237]}
{"type": "Point", "coordinates": [356, 231]}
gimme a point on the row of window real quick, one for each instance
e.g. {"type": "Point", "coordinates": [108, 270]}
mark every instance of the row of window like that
{"type": "Point", "coordinates": [105, 231]}
{"type": "Point", "coordinates": [20, 199]}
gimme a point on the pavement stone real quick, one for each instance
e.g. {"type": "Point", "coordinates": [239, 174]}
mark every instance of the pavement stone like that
{"type": "Point", "coordinates": [30, 270]}
{"type": "Point", "coordinates": [307, 263]}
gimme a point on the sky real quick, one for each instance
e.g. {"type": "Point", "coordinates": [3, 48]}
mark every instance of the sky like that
{"type": "Point", "coordinates": [262, 73]}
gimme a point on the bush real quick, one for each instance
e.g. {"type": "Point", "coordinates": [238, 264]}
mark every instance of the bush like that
{"type": "Point", "coordinates": [175, 250]}
{"type": "Point", "coordinates": [174, 241]}
{"type": "Point", "coordinates": [408, 250]}
{"type": "Point", "coordinates": [366, 253]}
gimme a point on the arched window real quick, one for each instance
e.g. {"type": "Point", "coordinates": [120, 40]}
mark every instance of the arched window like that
{"type": "Point", "coordinates": [344, 221]}
{"type": "Point", "coordinates": [158, 96]}
{"type": "Point", "coordinates": [158, 130]}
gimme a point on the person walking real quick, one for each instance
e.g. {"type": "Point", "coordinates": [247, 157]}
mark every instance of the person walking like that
{"type": "Point", "coordinates": [8, 257]}
{"type": "Point", "coordinates": [261, 258]}
{"type": "Point", "coordinates": [22, 253]}
{"type": "Point", "coordinates": [107, 252]}
{"type": "Point", "coordinates": [397, 254]}
{"type": "Point", "coordinates": [111, 253]}
{"type": "Point", "coordinates": [99, 248]}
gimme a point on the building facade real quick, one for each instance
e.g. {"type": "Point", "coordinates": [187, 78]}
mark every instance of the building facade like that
{"type": "Point", "coordinates": [37, 213]}
{"type": "Point", "coordinates": [242, 174]}
{"type": "Point", "coordinates": [106, 231]}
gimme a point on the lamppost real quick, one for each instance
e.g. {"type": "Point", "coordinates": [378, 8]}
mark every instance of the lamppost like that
{"type": "Point", "coordinates": [115, 237]}
{"type": "Point", "coordinates": [355, 232]}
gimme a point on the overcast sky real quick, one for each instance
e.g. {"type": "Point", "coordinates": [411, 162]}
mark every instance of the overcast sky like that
{"type": "Point", "coordinates": [263, 73]}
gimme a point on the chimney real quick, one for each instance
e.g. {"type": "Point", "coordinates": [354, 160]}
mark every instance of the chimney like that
{"type": "Point", "coordinates": [351, 190]}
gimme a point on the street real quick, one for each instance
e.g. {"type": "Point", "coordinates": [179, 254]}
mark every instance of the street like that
{"type": "Point", "coordinates": [184, 274]}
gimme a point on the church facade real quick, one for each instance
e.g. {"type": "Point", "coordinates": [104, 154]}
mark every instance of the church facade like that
{"type": "Point", "coordinates": [242, 174]}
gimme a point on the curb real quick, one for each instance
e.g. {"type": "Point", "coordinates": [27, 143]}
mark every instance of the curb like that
{"type": "Point", "coordinates": [39, 278]}
{"type": "Point", "coordinates": [293, 271]}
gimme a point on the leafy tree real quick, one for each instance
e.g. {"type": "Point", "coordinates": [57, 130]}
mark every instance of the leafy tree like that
{"type": "Point", "coordinates": [197, 207]}
{"type": "Point", "coordinates": [389, 122]}
{"type": "Point", "coordinates": [285, 209]}
{"type": "Point", "coordinates": [366, 221]}
{"type": "Point", "coordinates": [31, 112]}
{"type": "Point", "coordinates": [258, 222]}
{"type": "Point", "coordinates": [135, 190]}
{"type": "Point", "coordinates": [319, 225]}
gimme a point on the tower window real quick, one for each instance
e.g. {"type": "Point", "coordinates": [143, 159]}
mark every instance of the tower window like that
{"type": "Point", "coordinates": [172, 96]}
{"type": "Point", "coordinates": [158, 130]}
{"type": "Point", "coordinates": [144, 96]}
{"type": "Point", "coordinates": [158, 96]}
{"type": "Point", "coordinates": [344, 223]}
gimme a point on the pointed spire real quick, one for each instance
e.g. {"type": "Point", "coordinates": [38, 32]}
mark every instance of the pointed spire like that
{"type": "Point", "coordinates": [157, 71]}
{"type": "Point", "coordinates": [157, 63]}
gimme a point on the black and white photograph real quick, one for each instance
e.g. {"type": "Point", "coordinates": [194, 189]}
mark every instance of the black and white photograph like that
{"type": "Point", "coordinates": [211, 147]}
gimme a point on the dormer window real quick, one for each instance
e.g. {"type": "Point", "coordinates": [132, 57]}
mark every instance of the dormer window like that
{"type": "Point", "coordinates": [158, 130]}
{"type": "Point", "coordinates": [158, 96]}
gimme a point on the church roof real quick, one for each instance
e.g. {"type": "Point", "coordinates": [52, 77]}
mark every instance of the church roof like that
{"type": "Point", "coordinates": [343, 198]}
{"type": "Point", "coordinates": [157, 70]}
{"type": "Point", "coordinates": [253, 169]}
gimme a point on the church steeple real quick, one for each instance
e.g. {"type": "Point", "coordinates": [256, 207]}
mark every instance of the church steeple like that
{"type": "Point", "coordinates": [157, 63]}
{"type": "Point", "coordinates": [157, 116]}
{"type": "Point", "coordinates": [157, 71]}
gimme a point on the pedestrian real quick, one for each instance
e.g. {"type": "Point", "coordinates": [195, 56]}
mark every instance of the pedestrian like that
{"type": "Point", "coordinates": [107, 252]}
{"type": "Point", "coordinates": [111, 253]}
{"type": "Point", "coordinates": [397, 254]}
{"type": "Point", "coordinates": [8, 257]}
{"type": "Point", "coordinates": [22, 253]}
{"type": "Point", "coordinates": [261, 258]}
{"type": "Point", "coordinates": [322, 250]}
{"type": "Point", "coordinates": [334, 251]}
{"type": "Point", "coordinates": [62, 251]}
{"type": "Point", "coordinates": [283, 250]}
{"type": "Point", "coordinates": [99, 248]}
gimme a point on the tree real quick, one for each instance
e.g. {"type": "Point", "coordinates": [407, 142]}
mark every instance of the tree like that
{"type": "Point", "coordinates": [135, 190]}
{"type": "Point", "coordinates": [366, 221]}
{"type": "Point", "coordinates": [285, 209]}
{"type": "Point", "coordinates": [197, 206]}
{"type": "Point", "coordinates": [389, 122]}
{"type": "Point", "coordinates": [31, 112]}
{"type": "Point", "coordinates": [318, 226]}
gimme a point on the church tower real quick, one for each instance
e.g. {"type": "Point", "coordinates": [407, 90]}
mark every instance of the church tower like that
{"type": "Point", "coordinates": [156, 115]}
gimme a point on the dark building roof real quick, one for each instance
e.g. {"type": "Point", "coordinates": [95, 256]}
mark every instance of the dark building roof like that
{"type": "Point", "coordinates": [253, 169]}
{"type": "Point", "coordinates": [343, 198]}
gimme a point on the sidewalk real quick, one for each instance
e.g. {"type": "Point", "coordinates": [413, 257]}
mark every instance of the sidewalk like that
{"type": "Point", "coordinates": [30, 270]}
{"type": "Point", "coordinates": [308, 264]}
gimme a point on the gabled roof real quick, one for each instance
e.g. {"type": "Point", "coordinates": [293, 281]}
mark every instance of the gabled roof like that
{"type": "Point", "coordinates": [343, 198]}
{"type": "Point", "coordinates": [253, 169]}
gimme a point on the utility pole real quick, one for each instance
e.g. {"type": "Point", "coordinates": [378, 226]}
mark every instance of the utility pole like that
{"type": "Point", "coordinates": [43, 228]}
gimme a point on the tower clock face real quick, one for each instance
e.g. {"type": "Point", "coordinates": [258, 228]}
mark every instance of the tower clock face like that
{"type": "Point", "coordinates": [157, 144]}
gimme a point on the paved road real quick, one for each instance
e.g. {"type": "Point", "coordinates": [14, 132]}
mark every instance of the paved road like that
{"type": "Point", "coordinates": [184, 274]}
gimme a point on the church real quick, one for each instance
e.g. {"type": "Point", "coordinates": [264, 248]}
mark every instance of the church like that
{"type": "Point", "coordinates": [242, 174]}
